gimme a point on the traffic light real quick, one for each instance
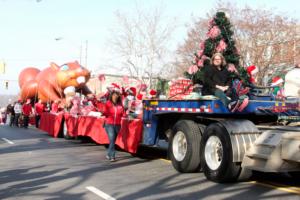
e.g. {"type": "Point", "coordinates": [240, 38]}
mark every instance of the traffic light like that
{"type": "Point", "coordinates": [6, 85]}
{"type": "Point", "coordinates": [2, 67]}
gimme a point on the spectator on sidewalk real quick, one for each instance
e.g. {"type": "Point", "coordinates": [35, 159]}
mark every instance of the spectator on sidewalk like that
{"type": "Point", "coordinates": [18, 111]}
{"type": "Point", "coordinates": [10, 113]}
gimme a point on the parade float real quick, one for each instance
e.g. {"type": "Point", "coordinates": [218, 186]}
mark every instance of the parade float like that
{"type": "Point", "coordinates": [54, 82]}
{"type": "Point", "coordinates": [199, 132]}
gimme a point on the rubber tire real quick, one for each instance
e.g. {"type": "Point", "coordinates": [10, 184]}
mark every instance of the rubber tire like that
{"type": "Point", "coordinates": [191, 162]}
{"type": "Point", "coordinates": [65, 132]}
{"type": "Point", "coordinates": [228, 171]}
{"type": "Point", "coordinates": [294, 175]}
{"type": "Point", "coordinates": [202, 128]}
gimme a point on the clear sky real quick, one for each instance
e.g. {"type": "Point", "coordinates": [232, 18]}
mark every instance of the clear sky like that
{"type": "Point", "coordinates": [29, 28]}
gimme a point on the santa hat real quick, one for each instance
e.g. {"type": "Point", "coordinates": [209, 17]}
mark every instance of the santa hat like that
{"type": "Point", "coordinates": [276, 81]}
{"type": "Point", "coordinates": [252, 69]}
{"type": "Point", "coordinates": [152, 92]}
{"type": "Point", "coordinates": [114, 87]}
{"type": "Point", "coordinates": [131, 90]}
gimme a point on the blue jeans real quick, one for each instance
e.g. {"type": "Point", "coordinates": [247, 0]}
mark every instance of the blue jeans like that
{"type": "Point", "coordinates": [112, 132]}
{"type": "Point", "coordinates": [222, 96]}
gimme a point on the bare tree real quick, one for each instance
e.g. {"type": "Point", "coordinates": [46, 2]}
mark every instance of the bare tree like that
{"type": "Point", "coordinates": [141, 42]}
{"type": "Point", "coordinates": [264, 38]}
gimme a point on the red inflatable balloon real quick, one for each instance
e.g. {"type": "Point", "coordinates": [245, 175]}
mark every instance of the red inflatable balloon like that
{"type": "Point", "coordinates": [50, 83]}
{"type": "Point", "coordinates": [27, 75]}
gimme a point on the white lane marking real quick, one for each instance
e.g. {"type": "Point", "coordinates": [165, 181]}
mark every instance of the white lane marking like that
{"type": "Point", "coordinates": [100, 193]}
{"type": "Point", "coordinates": [8, 141]}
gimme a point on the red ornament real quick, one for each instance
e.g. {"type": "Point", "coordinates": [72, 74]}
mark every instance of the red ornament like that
{"type": "Point", "coordinates": [152, 92]}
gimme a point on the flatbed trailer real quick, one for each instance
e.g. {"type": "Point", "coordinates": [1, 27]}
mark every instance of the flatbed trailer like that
{"type": "Point", "coordinates": [204, 135]}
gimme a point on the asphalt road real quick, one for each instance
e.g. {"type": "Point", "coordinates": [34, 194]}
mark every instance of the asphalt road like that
{"type": "Point", "coordinates": [36, 166]}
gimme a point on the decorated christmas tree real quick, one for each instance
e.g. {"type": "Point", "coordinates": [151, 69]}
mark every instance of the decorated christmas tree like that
{"type": "Point", "coordinates": [219, 39]}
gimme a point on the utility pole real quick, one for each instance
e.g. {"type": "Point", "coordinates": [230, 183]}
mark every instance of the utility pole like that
{"type": "Point", "coordinates": [80, 54]}
{"type": "Point", "coordinates": [86, 53]}
{"type": "Point", "coordinates": [81, 51]}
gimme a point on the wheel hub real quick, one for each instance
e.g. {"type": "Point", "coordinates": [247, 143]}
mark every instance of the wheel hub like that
{"type": "Point", "coordinates": [213, 152]}
{"type": "Point", "coordinates": [179, 146]}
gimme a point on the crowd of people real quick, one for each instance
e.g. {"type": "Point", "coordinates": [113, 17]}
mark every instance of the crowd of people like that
{"type": "Point", "coordinates": [18, 113]}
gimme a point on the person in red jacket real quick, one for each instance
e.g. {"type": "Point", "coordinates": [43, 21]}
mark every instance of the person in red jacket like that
{"type": "Point", "coordinates": [113, 112]}
{"type": "Point", "coordinates": [55, 106]}
{"type": "Point", "coordinates": [26, 110]}
{"type": "Point", "coordinates": [39, 109]}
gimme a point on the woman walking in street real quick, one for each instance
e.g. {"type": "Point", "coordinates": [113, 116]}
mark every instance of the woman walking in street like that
{"type": "Point", "coordinates": [113, 112]}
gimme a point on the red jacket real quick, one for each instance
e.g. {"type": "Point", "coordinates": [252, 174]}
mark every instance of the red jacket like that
{"type": "Point", "coordinates": [113, 113]}
{"type": "Point", "coordinates": [39, 108]}
{"type": "Point", "coordinates": [54, 107]}
{"type": "Point", "coordinates": [27, 109]}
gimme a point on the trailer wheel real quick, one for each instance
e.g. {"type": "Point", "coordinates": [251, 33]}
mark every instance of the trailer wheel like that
{"type": "Point", "coordinates": [184, 148]}
{"type": "Point", "coordinates": [216, 155]}
{"type": "Point", "coordinates": [294, 175]}
{"type": "Point", "coordinates": [65, 132]}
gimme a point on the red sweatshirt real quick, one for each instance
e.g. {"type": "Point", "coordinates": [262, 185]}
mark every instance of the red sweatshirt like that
{"type": "Point", "coordinates": [39, 108]}
{"type": "Point", "coordinates": [54, 107]}
{"type": "Point", "coordinates": [27, 109]}
{"type": "Point", "coordinates": [113, 113]}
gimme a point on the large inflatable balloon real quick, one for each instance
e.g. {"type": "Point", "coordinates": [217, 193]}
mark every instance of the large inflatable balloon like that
{"type": "Point", "coordinates": [55, 82]}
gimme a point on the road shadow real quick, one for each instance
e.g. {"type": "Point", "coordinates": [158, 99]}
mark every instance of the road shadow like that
{"type": "Point", "coordinates": [24, 181]}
